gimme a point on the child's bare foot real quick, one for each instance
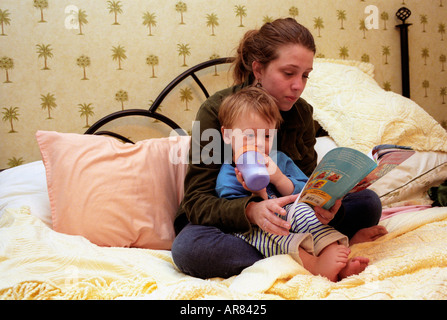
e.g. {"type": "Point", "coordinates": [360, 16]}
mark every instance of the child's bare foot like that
{"type": "Point", "coordinates": [329, 263]}
{"type": "Point", "coordinates": [354, 266]}
{"type": "Point", "coordinates": [368, 234]}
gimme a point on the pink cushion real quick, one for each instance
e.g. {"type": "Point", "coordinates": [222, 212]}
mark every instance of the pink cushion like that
{"type": "Point", "coordinates": [113, 193]}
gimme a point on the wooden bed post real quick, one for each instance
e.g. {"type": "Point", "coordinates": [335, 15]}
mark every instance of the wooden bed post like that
{"type": "Point", "coordinates": [403, 14]}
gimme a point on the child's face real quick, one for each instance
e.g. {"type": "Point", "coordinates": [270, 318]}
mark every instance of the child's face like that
{"type": "Point", "coordinates": [250, 129]}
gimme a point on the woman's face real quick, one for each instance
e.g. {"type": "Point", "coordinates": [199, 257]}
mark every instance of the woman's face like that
{"type": "Point", "coordinates": [285, 77]}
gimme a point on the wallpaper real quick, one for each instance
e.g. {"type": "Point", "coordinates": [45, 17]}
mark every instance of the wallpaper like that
{"type": "Point", "coordinates": [64, 64]}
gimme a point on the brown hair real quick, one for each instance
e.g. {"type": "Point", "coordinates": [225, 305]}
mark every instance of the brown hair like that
{"type": "Point", "coordinates": [249, 99]}
{"type": "Point", "coordinates": [262, 45]}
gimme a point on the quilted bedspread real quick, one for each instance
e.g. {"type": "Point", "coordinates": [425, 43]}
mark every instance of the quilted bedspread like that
{"type": "Point", "coordinates": [410, 262]}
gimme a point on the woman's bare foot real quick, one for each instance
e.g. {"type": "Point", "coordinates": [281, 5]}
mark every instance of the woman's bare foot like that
{"type": "Point", "coordinates": [354, 266]}
{"type": "Point", "coordinates": [329, 263]}
{"type": "Point", "coordinates": [368, 234]}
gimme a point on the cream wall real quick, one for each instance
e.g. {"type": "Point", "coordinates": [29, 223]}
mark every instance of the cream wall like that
{"type": "Point", "coordinates": [25, 35]}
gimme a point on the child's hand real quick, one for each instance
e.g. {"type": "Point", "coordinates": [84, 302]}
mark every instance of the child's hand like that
{"type": "Point", "coordinates": [283, 184]}
{"type": "Point", "coordinates": [261, 193]}
{"type": "Point", "coordinates": [272, 169]}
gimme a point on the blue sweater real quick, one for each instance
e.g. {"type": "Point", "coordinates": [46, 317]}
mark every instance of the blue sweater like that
{"type": "Point", "coordinates": [228, 187]}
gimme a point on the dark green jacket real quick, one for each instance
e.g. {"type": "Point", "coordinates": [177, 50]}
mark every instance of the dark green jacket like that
{"type": "Point", "coordinates": [296, 138]}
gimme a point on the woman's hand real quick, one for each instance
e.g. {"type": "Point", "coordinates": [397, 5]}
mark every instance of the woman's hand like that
{"type": "Point", "coordinates": [263, 214]}
{"type": "Point", "coordinates": [325, 216]}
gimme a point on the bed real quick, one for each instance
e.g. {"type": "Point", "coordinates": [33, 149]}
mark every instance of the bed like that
{"type": "Point", "coordinates": [94, 218]}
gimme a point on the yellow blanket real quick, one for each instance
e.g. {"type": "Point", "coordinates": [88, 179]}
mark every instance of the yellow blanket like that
{"type": "Point", "coordinates": [38, 263]}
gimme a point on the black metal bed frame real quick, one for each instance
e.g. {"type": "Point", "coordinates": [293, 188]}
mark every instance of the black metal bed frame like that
{"type": "Point", "coordinates": [402, 14]}
{"type": "Point", "coordinates": [152, 111]}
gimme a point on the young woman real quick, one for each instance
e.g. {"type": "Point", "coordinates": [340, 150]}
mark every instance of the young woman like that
{"type": "Point", "coordinates": [279, 57]}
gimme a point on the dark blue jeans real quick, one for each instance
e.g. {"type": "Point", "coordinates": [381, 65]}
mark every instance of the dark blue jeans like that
{"type": "Point", "coordinates": [207, 252]}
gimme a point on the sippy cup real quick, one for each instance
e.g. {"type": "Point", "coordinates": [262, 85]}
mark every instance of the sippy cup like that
{"type": "Point", "coordinates": [251, 163]}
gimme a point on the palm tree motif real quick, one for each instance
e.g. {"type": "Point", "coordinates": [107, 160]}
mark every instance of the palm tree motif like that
{"type": "Point", "coordinates": [83, 62]}
{"type": "Point", "coordinates": [212, 57]}
{"type": "Point", "coordinates": [212, 21]}
{"type": "Point", "coordinates": [44, 52]}
{"type": "Point", "coordinates": [181, 7]}
{"type": "Point", "coordinates": [48, 102]}
{"type": "Point", "coordinates": [11, 114]}
{"type": "Point", "coordinates": [82, 19]}
{"type": "Point", "coordinates": [115, 8]}
{"type": "Point", "coordinates": [425, 85]}
{"type": "Point", "coordinates": [183, 50]}
{"type": "Point", "coordinates": [443, 93]}
{"type": "Point", "coordinates": [241, 12]}
{"type": "Point", "coordinates": [152, 61]}
{"type": "Point", "coordinates": [119, 53]}
{"type": "Point", "coordinates": [365, 58]}
{"type": "Point", "coordinates": [387, 86]}
{"type": "Point", "coordinates": [294, 12]}
{"type": "Point", "coordinates": [319, 24]}
{"type": "Point", "coordinates": [86, 110]}
{"type": "Point", "coordinates": [362, 27]}
{"type": "Point", "coordinates": [149, 21]}
{"type": "Point", "coordinates": [441, 30]}
{"type": "Point", "coordinates": [442, 59]}
{"type": "Point", "coordinates": [122, 96]}
{"type": "Point", "coordinates": [4, 20]}
{"type": "Point", "coordinates": [341, 15]}
{"type": "Point", "coordinates": [343, 52]}
{"type": "Point", "coordinates": [7, 64]}
{"type": "Point", "coordinates": [423, 20]}
{"type": "Point", "coordinates": [386, 52]}
{"type": "Point", "coordinates": [186, 96]}
{"type": "Point", "coordinates": [425, 53]}
{"type": "Point", "coordinates": [267, 19]}
{"type": "Point", "coordinates": [385, 17]}
{"type": "Point", "coordinates": [41, 4]}
{"type": "Point", "coordinates": [14, 162]}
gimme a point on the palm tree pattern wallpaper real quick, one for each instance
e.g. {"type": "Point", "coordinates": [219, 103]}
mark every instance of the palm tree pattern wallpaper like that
{"type": "Point", "coordinates": [64, 64]}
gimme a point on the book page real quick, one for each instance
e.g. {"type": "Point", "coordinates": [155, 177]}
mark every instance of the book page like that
{"type": "Point", "coordinates": [337, 173]}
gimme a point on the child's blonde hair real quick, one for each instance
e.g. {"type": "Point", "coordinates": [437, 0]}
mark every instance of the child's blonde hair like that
{"type": "Point", "coordinates": [250, 99]}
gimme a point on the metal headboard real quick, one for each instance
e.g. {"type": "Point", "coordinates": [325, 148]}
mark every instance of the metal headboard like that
{"type": "Point", "coordinates": [152, 111]}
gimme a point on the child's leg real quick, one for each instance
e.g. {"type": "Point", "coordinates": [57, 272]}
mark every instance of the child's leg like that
{"type": "Point", "coordinates": [270, 244]}
{"type": "Point", "coordinates": [302, 219]}
{"type": "Point", "coordinates": [328, 244]}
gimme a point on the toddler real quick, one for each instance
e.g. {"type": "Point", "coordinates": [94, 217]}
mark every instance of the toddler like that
{"type": "Point", "coordinates": [251, 117]}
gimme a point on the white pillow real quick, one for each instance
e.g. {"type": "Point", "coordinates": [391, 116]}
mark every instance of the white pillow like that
{"type": "Point", "coordinates": [323, 146]}
{"type": "Point", "coordinates": [412, 178]}
{"type": "Point", "coordinates": [26, 185]}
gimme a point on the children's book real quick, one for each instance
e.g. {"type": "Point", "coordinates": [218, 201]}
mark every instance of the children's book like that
{"type": "Point", "coordinates": [344, 170]}
{"type": "Point", "coordinates": [340, 170]}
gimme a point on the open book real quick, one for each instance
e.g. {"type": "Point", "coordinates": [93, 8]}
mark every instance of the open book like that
{"type": "Point", "coordinates": [340, 170]}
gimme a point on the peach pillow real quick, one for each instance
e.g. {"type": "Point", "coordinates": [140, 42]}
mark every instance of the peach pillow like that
{"type": "Point", "coordinates": [113, 193]}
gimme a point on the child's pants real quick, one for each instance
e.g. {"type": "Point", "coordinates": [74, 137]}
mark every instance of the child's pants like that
{"type": "Point", "coordinates": [306, 232]}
